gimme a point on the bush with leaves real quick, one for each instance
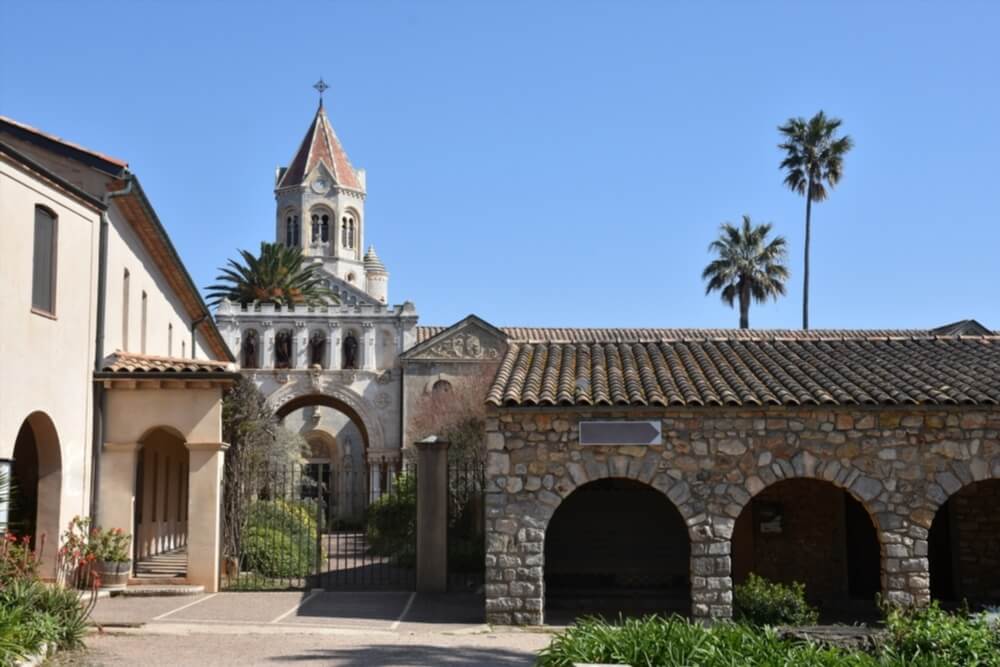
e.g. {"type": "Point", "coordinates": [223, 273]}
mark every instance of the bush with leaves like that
{"type": "Point", "coordinates": [932, 636]}
{"type": "Point", "coordinates": [391, 524]}
{"type": "Point", "coordinates": [760, 602]}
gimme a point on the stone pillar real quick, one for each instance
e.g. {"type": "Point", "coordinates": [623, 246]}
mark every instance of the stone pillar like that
{"type": "Point", "coordinates": [712, 570]}
{"type": "Point", "coordinates": [432, 515]}
{"type": "Point", "coordinates": [906, 578]}
{"type": "Point", "coordinates": [267, 344]}
{"type": "Point", "coordinates": [375, 480]}
{"type": "Point", "coordinates": [368, 341]}
{"type": "Point", "coordinates": [116, 502]}
{"type": "Point", "coordinates": [204, 513]}
{"type": "Point", "coordinates": [333, 345]}
{"type": "Point", "coordinates": [300, 346]}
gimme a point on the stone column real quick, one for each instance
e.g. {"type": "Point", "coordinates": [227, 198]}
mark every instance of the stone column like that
{"type": "Point", "coordinates": [375, 479]}
{"type": "Point", "coordinates": [116, 501]}
{"type": "Point", "coordinates": [432, 515]}
{"type": "Point", "coordinates": [906, 578]}
{"type": "Point", "coordinates": [368, 356]}
{"type": "Point", "coordinates": [204, 513]}
{"type": "Point", "coordinates": [712, 569]}
{"type": "Point", "coordinates": [335, 344]}
{"type": "Point", "coordinates": [267, 344]}
{"type": "Point", "coordinates": [300, 346]}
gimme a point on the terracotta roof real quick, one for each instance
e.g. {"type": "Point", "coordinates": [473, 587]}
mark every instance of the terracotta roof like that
{"type": "Point", "coordinates": [754, 369]}
{"type": "Point", "coordinates": [127, 363]}
{"type": "Point", "coordinates": [108, 163]}
{"type": "Point", "coordinates": [320, 145]}
{"type": "Point", "coordinates": [614, 335]}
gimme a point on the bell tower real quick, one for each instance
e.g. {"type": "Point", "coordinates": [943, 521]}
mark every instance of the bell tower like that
{"type": "Point", "coordinates": [320, 202]}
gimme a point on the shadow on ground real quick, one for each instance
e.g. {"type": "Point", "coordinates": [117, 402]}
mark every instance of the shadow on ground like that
{"type": "Point", "coordinates": [415, 655]}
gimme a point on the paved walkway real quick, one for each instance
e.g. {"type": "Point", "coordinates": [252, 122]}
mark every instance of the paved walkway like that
{"type": "Point", "coordinates": [321, 627]}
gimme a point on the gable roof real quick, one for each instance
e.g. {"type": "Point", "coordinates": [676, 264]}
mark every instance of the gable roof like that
{"type": "Point", "coordinates": [753, 371]}
{"type": "Point", "coordinates": [15, 156]}
{"type": "Point", "coordinates": [962, 328]}
{"type": "Point", "coordinates": [427, 337]}
{"type": "Point", "coordinates": [139, 212]}
{"type": "Point", "coordinates": [320, 146]}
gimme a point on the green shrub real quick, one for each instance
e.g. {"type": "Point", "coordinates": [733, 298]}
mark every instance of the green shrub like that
{"type": "Point", "coordinates": [279, 540]}
{"type": "Point", "coordinates": [391, 523]}
{"type": "Point", "coordinates": [932, 636]}
{"type": "Point", "coordinates": [677, 642]}
{"type": "Point", "coordinates": [273, 553]}
{"type": "Point", "coordinates": [761, 602]}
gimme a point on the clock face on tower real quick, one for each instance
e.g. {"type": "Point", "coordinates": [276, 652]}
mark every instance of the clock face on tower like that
{"type": "Point", "coordinates": [320, 186]}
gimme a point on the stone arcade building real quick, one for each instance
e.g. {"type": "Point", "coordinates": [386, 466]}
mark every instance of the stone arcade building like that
{"type": "Point", "coordinates": [857, 462]}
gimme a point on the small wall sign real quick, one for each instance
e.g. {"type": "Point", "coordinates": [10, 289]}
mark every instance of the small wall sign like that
{"type": "Point", "coordinates": [620, 433]}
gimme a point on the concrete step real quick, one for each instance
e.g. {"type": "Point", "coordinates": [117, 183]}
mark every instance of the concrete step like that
{"type": "Point", "coordinates": [158, 590]}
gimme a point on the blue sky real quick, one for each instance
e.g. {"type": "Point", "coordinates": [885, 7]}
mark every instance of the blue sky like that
{"type": "Point", "coordinates": [555, 164]}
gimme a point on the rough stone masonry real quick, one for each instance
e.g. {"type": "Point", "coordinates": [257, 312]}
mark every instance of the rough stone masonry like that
{"type": "Point", "coordinates": [901, 464]}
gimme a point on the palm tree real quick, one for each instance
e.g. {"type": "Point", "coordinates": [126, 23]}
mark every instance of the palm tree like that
{"type": "Point", "coordinates": [277, 276]}
{"type": "Point", "coordinates": [748, 266]}
{"type": "Point", "coordinates": [814, 155]}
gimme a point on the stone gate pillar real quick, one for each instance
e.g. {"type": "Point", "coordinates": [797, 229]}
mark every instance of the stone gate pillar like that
{"type": "Point", "coordinates": [432, 515]}
{"type": "Point", "coordinates": [906, 578]}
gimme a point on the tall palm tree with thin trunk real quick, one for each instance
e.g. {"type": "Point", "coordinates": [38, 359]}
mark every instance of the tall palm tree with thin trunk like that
{"type": "Point", "coordinates": [749, 267]}
{"type": "Point", "coordinates": [814, 158]}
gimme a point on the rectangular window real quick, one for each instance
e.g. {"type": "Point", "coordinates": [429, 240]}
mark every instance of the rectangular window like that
{"type": "Point", "coordinates": [142, 325]}
{"type": "Point", "coordinates": [183, 349]}
{"type": "Point", "coordinates": [126, 279]}
{"type": "Point", "coordinates": [156, 486]}
{"type": "Point", "coordinates": [43, 279]}
{"type": "Point", "coordinates": [170, 340]}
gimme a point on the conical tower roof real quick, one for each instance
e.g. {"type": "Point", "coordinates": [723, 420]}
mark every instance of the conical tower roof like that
{"type": "Point", "coordinates": [320, 145]}
{"type": "Point", "coordinates": [372, 262]}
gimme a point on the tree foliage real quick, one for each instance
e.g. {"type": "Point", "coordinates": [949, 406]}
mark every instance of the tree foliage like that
{"type": "Point", "coordinates": [814, 159]}
{"type": "Point", "coordinates": [749, 266]}
{"type": "Point", "coordinates": [455, 411]}
{"type": "Point", "coordinates": [278, 275]}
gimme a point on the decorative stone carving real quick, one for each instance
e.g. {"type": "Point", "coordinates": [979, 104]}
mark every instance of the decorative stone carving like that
{"type": "Point", "coordinates": [382, 400]}
{"type": "Point", "coordinates": [464, 346]}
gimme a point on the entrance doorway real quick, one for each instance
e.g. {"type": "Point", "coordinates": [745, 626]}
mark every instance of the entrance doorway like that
{"type": "Point", "coordinates": [964, 546]}
{"type": "Point", "coordinates": [161, 507]}
{"type": "Point", "coordinates": [36, 481]}
{"type": "Point", "coordinates": [616, 546]}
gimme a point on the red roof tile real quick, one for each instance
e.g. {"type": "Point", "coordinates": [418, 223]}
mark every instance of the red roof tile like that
{"type": "Point", "coordinates": [320, 145]}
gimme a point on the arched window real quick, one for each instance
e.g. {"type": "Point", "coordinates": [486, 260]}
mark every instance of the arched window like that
{"type": "Point", "coordinates": [292, 237]}
{"type": "Point", "coordinates": [441, 387]}
{"type": "Point", "coordinates": [248, 353]}
{"type": "Point", "coordinates": [349, 356]}
{"type": "Point", "coordinates": [348, 233]}
{"type": "Point", "coordinates": [324, 227]}
{"type": "Point", "coordinates": [43, 279]}
{"type": "Point", "coordinates": [343, 232]}
{"type": "Point", "coordinates": [315, 228]}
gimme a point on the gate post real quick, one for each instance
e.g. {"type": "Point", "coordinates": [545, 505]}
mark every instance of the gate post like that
{"type": "Point", "coordinates": [432, 515]}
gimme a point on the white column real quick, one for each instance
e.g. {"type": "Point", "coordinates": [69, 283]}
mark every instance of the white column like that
{"type": "Point", "coordinates": [300, 349]}
{"type": "Point", "coordinates": [204, 495]}
{"type": "Point", "coordinates": [267, 344]}
{"type": "Point", "coordinates": [335, 344]}
{"type": "Point", "coordinates": [375, 474]}
{"type": "Point", "coordinates": [116, 502]}
{"type": "Point", "coordinates": [368, 362]}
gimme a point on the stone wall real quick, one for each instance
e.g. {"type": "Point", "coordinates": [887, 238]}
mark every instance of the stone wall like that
{"type": "Point", "coordinates": [901, 464]}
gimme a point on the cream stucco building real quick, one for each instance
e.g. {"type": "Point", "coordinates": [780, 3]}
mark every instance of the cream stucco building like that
{"type": "Point", "coordinates": [110, 399]}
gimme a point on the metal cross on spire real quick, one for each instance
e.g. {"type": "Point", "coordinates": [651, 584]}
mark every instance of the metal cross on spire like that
{"type": "Point", "coordinates": [321, 87]}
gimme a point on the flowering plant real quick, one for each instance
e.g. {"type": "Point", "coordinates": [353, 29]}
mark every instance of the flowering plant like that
{"type": "Point", "coordinates": [83, 542]}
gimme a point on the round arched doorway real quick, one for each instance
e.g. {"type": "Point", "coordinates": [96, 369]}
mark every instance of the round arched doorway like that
{"type": "Point", "coordinates": [616, 546]}
{"type": "Point", "coordinates": [815, 533]}
{"type": "Point", "coordinates": [36, 481]}
{"type": "Point", "coordinates": [964, 546]}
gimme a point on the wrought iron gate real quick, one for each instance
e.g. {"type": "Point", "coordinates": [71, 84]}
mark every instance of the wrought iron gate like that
{"type": "Point", "coordinates": [466, 524]}
{"type": "Point", "coordinates": [317, 525]}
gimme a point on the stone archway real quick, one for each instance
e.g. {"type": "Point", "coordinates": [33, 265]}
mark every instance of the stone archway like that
{"type": "Point", "coordinates": [160, 515]}
{"type": "Point", "coordinates": [347, 402]}
{"type": "Point", "coordinates": [816, 532]}
{"type": "Point", "coordinates": [637, 562]}
{"type": "Point", "coordinates": [964, 546]}
{"type": "Point", "coordinates": [36, 476]}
